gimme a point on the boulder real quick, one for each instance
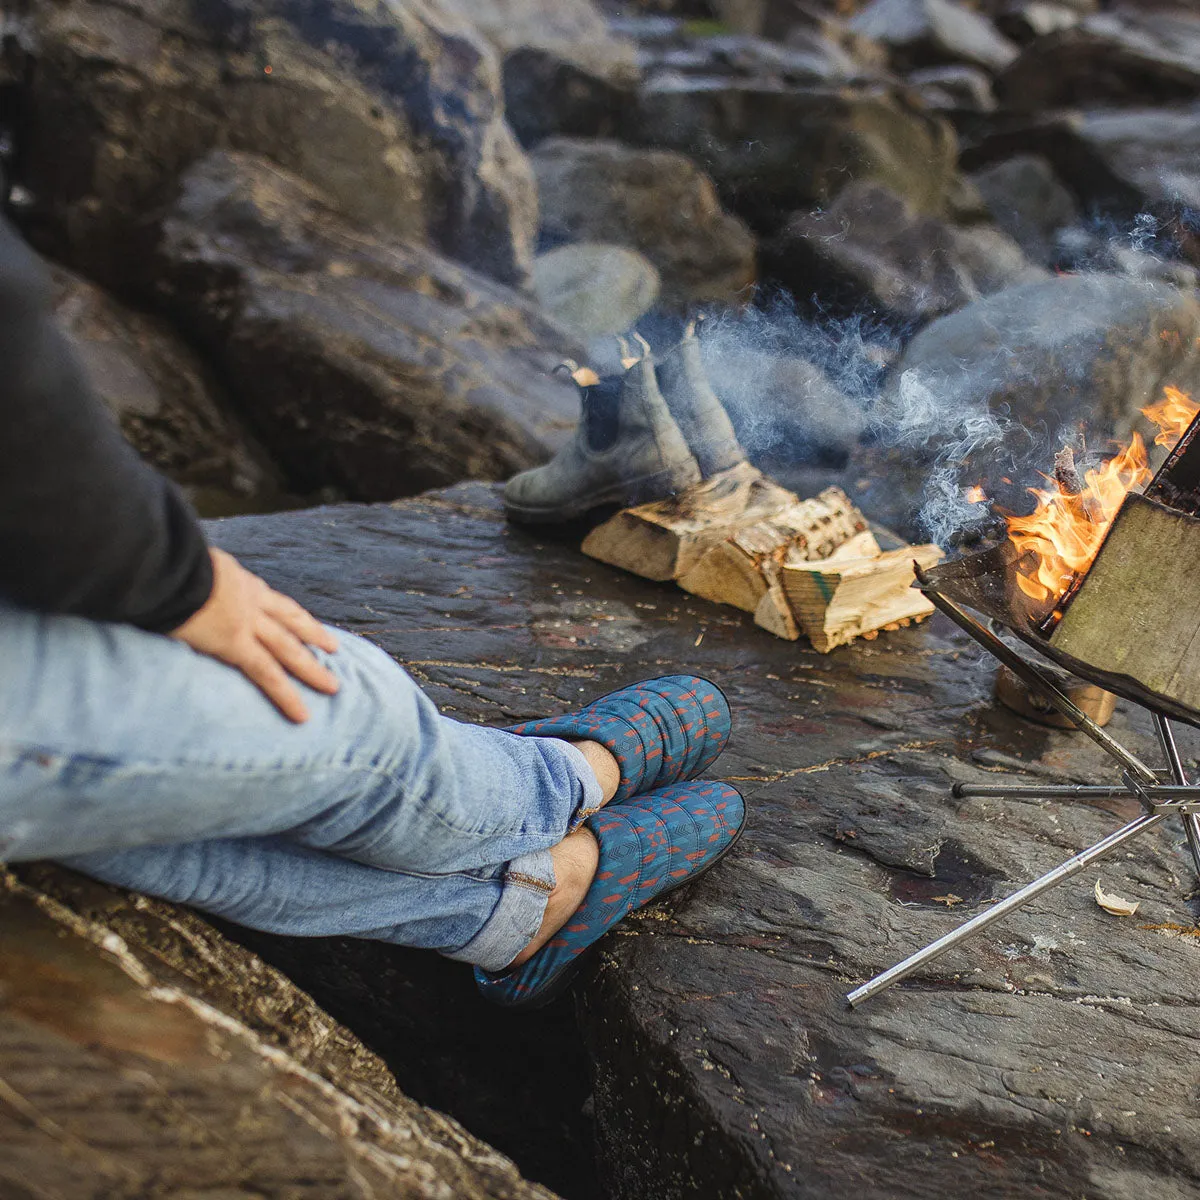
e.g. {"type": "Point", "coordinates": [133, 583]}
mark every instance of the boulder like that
{"type": "Point", "coordinates": [870, 251]}
{"type": "Point", "coordinates": [920, 33]}
{"type": "Point", "coordinates": [143, 1054]}
{"type": "Point", "coordinates": [772, 148]}
{"type": "Point", "coordinates": [655, 201]}
{"type": "Point", "coordinates": [168, 405]}
{"type": "Point", "coordinates": [1023, 22]}
{"type": "Point", "coordinates": [371, 366]}
{"type": "Point", "coordinates": [988, 394]}
{"type": "Point", "coordinates": [1045, 1057]}
{"type": "Point", "coordinates": [958, 89]}
{"type": "Point", "coordinates": [1102, 60]}
{"type": "Point", "coordinates": [394, 111]}
{"type": "Point", "coordinates": [1028, 202]}
{"type": "Point", "coordinates": [593, 289]}
{"type": "Point", "coordinates": [564, 71]}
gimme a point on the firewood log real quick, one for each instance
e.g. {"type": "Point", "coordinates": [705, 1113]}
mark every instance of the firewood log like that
{"type": "Point", "coordinates": [837, 601]}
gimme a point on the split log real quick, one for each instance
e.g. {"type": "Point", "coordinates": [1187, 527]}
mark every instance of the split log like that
{"type": "Point", "coordinates": [1136, 611]}
{"type": "Point", "coordinates": [732, 571]}
{"type": "Point", "coordinates": [665, 539]}
{"type": "Point", "coordinates": [835, 602]}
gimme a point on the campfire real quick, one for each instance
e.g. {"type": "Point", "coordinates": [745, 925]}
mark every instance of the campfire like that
{"type": "Point", "coordinates": [1059, 540]}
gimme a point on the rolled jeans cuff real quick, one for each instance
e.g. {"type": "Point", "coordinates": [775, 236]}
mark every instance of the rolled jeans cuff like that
{"type": "Point", "coordinates": [593, 796]}
{"type": "Point", "coordinates": [525, 888]}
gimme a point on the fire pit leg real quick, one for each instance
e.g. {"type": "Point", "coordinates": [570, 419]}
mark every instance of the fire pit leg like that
{"type": "Point", "coordinates": [1191, 822]}
{"type": "Point", "coordinates": [1001, 909]}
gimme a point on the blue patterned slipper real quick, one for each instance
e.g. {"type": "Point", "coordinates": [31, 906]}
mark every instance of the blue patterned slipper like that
{"type": "Point", "coordinates": [659, 731]}
{"type": "Point", "coordinates": [649, 846]}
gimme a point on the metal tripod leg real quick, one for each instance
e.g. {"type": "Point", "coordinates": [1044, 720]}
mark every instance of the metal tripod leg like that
{"type": "Point", "coordinates": [1191, 822]}
{"type": "Point", "coordinates": [1017, 900]}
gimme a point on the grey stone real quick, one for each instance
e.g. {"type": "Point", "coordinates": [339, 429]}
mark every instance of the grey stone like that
{"type": "Point", "coordinates": [870, 250]}
{"type": "Point", "coordinates": [988, 394]}
{"type": "Point", "coordinates": [1103, 60]}
{"type": "Point", "coordinates": [772, 148]}
{"type": "Point", "coordinates": [394, 112]}
{"type": "Point", "coordinates": [1046, 1057]}
{"type": "Point", "coordinates": [924, 32]}
{"type": "Point", "coordinates": [655, 201]}
{"type": "Point", "coordinates": [1028, 202]}
{"type": "Point", "coordinates": [1024, 22]}
{"type": "Point", "coordinates": [961, 89]}
{"type": "Point", "coordinates": [368, 365]}
{"type": "Point", "coordinates": [144, 1054]}
{"type": "Point", "coordinates": [594, 289]}
{"type": "Point", "coordinates": [167, 403]}
{"type": "Point", "coordinates": [564, 71]}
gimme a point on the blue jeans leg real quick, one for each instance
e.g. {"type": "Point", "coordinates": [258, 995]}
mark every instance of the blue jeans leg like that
{"type": "Point", "coordinates": [111, 739]}
{"type": "Point", "coordinates": [481, 917]}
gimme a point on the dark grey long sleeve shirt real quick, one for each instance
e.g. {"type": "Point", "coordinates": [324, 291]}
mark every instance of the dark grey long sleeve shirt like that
{"type": "Point", "coordinates": [85, 526]}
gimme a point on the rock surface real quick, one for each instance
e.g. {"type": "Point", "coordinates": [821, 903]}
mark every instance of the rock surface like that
{"type": "Point", "coordinates": [395, 112]}
{"type": "Point", "coordinates": [1052, 1056]}
{"type": "Point", "coordinates": [165, 400]}
{"type": "Point", "coordinates": [871, 252]}
{"type": "Point", "coordinates": [921, 33]}
{"type": "Point", "coordinates": [369, 365]}
{"type": "Point", "coordinates": [992, 391]}
{"type": "Point", "coordinates": [654, 201]}
{"type": "Point", "coordinates": [594, 289]}
{"type": "Point", "coordinates": [144, 1055]}
{"type": "Point", "coordinates": [1028, 202]}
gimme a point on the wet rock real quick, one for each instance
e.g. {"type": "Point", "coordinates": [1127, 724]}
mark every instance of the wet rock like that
{"type": "Point", "coordinates": [1102, 60]}
{"type": "Point", "coordinates": [394, 112]}
{"type": "Point", "coordinates": [922, 33]}
{"type": "Point", "coordinates": [564, 72]}
{"type": "Point", "coordinates": [773, 148]}
{"type": "Point", "coordinates": [726, 1062]}
{"type": "Point", "coordinates": [869, 249]}
{"type": "Point", "coordinates": [959, 89]}
{"type": "Point", "coordinates": [143, 1054]}
{"type": "Point", "coordinates": [593, 289]}
{"type": "Point", "coordinates": [372, 366]}
{"type": "Point", "coordinates": [989, 393]}
{"type": "Point", "coordinates": [1028, 202]}
{"type": "Point", "coordinates": [166, 401]}
{"type": "Point", "coordinates": [656, 202]}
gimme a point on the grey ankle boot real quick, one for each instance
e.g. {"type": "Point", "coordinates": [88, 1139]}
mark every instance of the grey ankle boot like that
{"type": "Point", "coordinates": [701, 417]}
{"type": "Point", "coordinates": [626, 450]}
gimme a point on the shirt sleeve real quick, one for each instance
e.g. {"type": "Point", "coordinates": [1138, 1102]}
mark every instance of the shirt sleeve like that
{"type": "Point", "coordinates": [85, 526]}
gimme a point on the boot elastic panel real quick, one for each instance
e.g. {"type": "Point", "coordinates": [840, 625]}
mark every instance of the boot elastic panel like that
{"type": "Point", "coordinates": [697, 410]}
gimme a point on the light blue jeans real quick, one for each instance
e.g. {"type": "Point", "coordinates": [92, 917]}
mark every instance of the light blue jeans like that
{"type": "Point", "coordinates": [131, 757]}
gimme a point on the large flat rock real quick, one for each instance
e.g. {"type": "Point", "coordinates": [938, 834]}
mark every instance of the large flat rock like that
{"type": "Point", "coordinates": [1054, 1056]}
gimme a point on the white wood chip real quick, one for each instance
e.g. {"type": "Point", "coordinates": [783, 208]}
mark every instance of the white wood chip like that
{"type": "Point", "coordinates": [1117, 905]}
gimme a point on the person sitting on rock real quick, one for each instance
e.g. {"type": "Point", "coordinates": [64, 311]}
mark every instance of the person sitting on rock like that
{"type": "Point", "coordinates": [170, 723]}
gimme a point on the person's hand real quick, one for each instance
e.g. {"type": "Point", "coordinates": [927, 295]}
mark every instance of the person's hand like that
{"type": "Point", "coordinates": [262, 633]}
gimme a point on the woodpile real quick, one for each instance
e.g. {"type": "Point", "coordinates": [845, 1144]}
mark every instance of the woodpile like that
{"type": "Point", "coordinates": [809, 567]}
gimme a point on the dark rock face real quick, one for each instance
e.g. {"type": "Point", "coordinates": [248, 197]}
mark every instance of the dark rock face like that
{"type": "Point", "coordinates": [376, 367]}
{"type": "Point", "coordinates": [1028, 202]}
{"type": "Point", "coordinates": [1049, 1056]}
{"type": "Point", "coordinates": [654, 201]}
{"type": "Point", "coordinates": [921, 33]}
{"type": "Point", "coordinates": [992, 391]}
{"type": "Point", "coordinates": [1103, 60]}
{"type": "Point", "coordinates": [394, 112]}
{"type": "Point", "coordinates": [869, 250]}
{"type": "Point", "coordinates": [167, 404]}
{"type": "Point", "coordinates": [144, 1055]}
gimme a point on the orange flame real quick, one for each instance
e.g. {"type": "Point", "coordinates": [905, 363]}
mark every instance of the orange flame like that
{"type": "Point", "coordinates": [1062, 536]}
{"type": "Point", "coordinates": [975, 495]}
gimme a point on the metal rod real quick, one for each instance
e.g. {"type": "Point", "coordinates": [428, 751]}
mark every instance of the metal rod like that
{"type": "Point", "coordinates": [1017, 900]}
{"type": "Point", "coordinates": [1073, 791]}
{"type": "Point", "coordinates": [1025, 670]}
{"type": "Point", "coordinates": [1191, 822]}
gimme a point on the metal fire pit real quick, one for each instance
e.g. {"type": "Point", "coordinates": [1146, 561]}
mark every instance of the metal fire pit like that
{"type": "Point", "coordinates": [984, 582]}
